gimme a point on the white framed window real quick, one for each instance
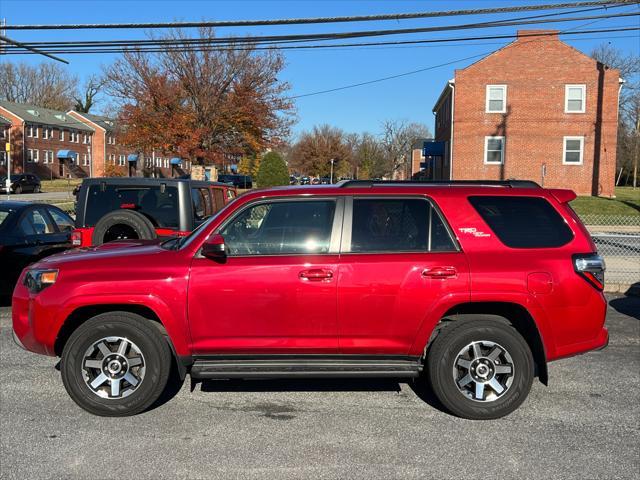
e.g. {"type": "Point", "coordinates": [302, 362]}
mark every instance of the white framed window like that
{"type": "Point", "coordinates": [575, 98]}
{"type": "Point", "coordinates": [493, 150]}
{"type": "Point", "coordinates": [496, 101]}
{"type": "Point", "coordinates": [3, 133]}
{"type": "Point", "coordinates": [122, 160]}
{"type": "Point", "coordinates": [573, 151]}
{"type": "Point", "coordinates": [3, 157]}
{"type": "Point", "coordinates": [32, 131]}
{"type": "Point", "coordinates": [45, 133]}
{"type": "Point", "coordinates": [48, 156]}
{"type": "Point", "coordinates": [61, 135]}
{"type": "Point", "coordinates": [32, 155]}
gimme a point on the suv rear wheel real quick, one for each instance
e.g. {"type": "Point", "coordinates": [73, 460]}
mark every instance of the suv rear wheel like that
{"type": "Point", "coordinates": [480, 368]}
{"type": "Point", "coordinates": [116, 364]}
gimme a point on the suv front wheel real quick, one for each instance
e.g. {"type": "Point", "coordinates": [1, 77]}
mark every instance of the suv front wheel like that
{"type": "Point", "coordinates": [480, 368]}
{"type": "Point", "coordinates": [116, 364]}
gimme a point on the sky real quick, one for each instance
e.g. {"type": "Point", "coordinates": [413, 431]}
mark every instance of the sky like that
{"type": "Point", "coordinates": [360, 109]}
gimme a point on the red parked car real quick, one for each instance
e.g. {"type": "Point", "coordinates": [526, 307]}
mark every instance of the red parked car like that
{"type": "Point", "coordinates": [470, 287]}
{"type": "Point", "coordinates": [125, 208]}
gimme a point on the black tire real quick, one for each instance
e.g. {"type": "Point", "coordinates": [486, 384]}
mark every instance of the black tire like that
{"type": "Point", "coordinates": [36, 189]}
{"type": "Point", "coordinates": [18, 189]}
{"type": "Point", "coordinates": [140, 333]}
{"type": "Point", "coordinates": [134, 224]}
{"type": "Point", "coordinates": [444, 353]}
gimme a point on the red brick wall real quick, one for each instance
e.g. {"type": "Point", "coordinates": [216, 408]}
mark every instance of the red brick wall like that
{"type": "Point", "coordinates": [52, 169]}
{"type": "Point", "coordinates": [535, 72]}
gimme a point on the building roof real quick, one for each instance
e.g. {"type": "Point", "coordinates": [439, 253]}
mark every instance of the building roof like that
{"type": "Point", "coordinates": [44, 116]}
{"type": "Point", "coordinates": [102, 121]}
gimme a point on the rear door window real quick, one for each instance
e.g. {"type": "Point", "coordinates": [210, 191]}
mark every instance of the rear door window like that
{"type": "Point", "coordinates": [523, 222]}
{"type": "Point", "coordinates": [201, 203]}
{"type": "Point", "coordinates": [218, 197]}
{"type": "Point", "coordinates": [156, 202]}
{"type": "Point", "coordinates": [62, 220]}
{"type": "Point", "coordinates": [398, 225]}
{"type": "Point", "coordinates": [36, 222]}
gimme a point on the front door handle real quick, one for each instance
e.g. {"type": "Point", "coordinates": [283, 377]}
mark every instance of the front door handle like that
{"type": "Point", "coordinates": [440, 272]}
{"type": "Point", "coordinates": [316, 274]}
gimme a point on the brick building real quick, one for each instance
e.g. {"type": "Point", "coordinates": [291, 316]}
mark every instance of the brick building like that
{"type": "Point", "coordinates": [57, 144]}
{"type": "Point", "coordinates": [536, 109]}
{"type": "Point", "coordinates": [49, 143]}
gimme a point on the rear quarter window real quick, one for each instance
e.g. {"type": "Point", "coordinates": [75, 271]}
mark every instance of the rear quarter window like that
{"type": "Point", "coordinates": [523, 222]}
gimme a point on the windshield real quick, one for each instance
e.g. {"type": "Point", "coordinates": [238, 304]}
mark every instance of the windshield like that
{"type": "Point", "coordinates": [185, 241]}
{"type": "Point", "coordinates": [5, 213]}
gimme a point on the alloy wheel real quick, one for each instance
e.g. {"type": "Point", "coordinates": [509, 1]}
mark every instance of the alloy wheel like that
{"type": "Point", "coordinates": [483, 371]}
{"type": "Point", "coordinates": [113, 367]}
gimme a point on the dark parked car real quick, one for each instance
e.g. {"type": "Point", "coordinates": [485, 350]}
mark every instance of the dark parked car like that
{"type": "Point", "coordinates": [305, 181]}
{"type": "Point", "coordinates": [28, 232]}
{"type": "Point", "coordinates": [144, 208]}
{"type": "Point", "coordinates": [21, 183]}
{"type": "Point", "coordinates": [238, 181]}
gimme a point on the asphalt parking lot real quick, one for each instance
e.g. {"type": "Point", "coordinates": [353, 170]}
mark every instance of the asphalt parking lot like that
{"type": "Point", "coordinates": [585, 425]}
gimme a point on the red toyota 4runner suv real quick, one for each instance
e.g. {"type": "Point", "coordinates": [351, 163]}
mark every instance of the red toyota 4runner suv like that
{"type": "Point", "coordinates": [470, 287]}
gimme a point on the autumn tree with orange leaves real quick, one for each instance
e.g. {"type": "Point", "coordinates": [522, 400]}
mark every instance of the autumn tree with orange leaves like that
{"type": "Point", "coordinates": [200, 102]}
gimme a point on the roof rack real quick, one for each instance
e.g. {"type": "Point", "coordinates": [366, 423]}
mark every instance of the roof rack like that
{"type": "Point", "coordinates": [439, 183]}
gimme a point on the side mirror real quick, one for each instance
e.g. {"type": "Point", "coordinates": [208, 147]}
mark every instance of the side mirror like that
{"type": "Point", "coordinates": [214, 248]}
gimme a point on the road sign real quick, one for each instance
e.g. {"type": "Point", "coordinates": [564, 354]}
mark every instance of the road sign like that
{"type": "Point", "coordinates": [8, 147]}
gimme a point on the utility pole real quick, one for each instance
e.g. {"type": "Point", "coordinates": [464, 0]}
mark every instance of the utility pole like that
{"type": "Point", "coordinates": [3, 24]}
{"type": "Point", "coordinates": [332, 160]}
{"type": "Point", "coordinates": [8, 180]}
{"type": "Point", "coordinates": [636, 153]}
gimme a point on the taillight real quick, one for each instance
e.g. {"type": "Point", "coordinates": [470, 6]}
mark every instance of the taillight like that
{"type": "Point", "coordinates": [76, 238]}
{"type": "Point", "coordinates": [591, 267]}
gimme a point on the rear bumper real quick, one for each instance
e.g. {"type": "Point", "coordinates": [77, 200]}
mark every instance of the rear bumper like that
{"type": "Point", "coordinates": [598, 343]}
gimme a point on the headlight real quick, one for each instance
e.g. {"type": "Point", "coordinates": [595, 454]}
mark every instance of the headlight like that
{"type": "Point", "coordinates": [37, 280]}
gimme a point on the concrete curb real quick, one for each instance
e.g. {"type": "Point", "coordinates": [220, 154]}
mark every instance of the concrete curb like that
{"type": "Point", "coordinates": [626, 288]}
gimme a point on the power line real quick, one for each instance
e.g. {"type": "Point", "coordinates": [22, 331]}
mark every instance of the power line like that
{"type": "Point", "coordinates": [251, 47]}
{"type": "Point", "coordinates": [182, 43]}
{"type": "Point", "coordinates": [377, 80]}
{"type": "Point", "coordinates": [31, 49]}
{"type": "Point", "coordinates": [319, 20]}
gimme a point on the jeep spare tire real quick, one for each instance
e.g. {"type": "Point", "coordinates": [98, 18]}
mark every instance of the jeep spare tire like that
{"type": "Point", "coordinates": [123, 225]}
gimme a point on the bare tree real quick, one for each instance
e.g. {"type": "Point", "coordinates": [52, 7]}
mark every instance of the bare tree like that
{"type": "Point", "coordinates": [397, 138]}
{"type": "Point", "coordinates": [47, 85]}
{"type": "Point", "coordinates": [92, 88]}
{"type": "Point", "coordinates": [628, 153]}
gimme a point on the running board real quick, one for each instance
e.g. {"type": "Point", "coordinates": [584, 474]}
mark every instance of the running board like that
{"type": "Point", "coordinates": [312, 366]}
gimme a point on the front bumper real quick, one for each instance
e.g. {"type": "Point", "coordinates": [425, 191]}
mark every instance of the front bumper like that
{"type": "Point", "coordinates": [16, 340]}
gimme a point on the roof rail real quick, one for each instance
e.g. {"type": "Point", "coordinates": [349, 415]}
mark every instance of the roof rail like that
{"type": "Point", "coordinates": [439, 183]}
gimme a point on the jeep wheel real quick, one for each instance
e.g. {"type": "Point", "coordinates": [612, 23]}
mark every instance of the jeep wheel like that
{"type": "Point", "coordinates": [116, 364]}
{"type": "Point", "coordinates": [18, 189]}
{"type": "Point", "coordinates": [480, 368]}
{"type": "Point", "coordinates": [123, 225]}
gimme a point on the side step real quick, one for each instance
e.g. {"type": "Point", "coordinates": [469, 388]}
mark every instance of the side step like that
{"type": "Point", "coordinates": [311, 366]}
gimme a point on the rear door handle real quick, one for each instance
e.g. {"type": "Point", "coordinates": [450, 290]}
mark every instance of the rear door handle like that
{"type": "Point", "coordinates": [316, 274]}
{"type": "Point", "coordinates": [440, 272]}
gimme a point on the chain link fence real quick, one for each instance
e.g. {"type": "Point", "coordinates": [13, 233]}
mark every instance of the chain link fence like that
{"type": "Point", "coordinates": [617, 238]}
{"type": "Point", "coordinates": [618, 241]}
